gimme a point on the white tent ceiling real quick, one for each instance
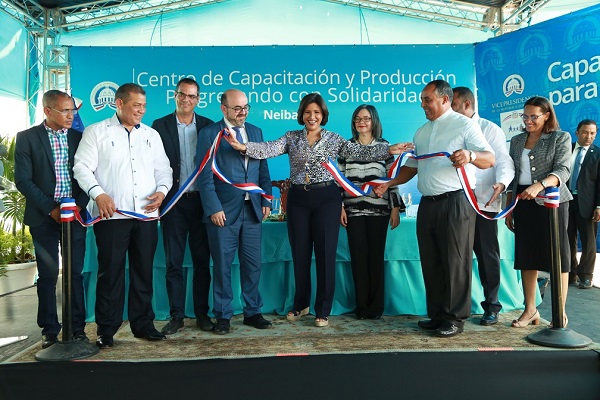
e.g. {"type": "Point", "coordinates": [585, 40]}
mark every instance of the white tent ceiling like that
{"type": "Point", "coordinates": [57, 17]}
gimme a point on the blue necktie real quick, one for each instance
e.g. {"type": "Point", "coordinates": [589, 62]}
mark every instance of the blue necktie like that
{"type": "Point", "coordinates": [238, 134]}
{"type": "Point", "coordinates": [576, 169]}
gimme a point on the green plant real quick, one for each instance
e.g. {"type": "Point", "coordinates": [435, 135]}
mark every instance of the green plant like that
{"type": "Point", "coordinates": [16, 244]}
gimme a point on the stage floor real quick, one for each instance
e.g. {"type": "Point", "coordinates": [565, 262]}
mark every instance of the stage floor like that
{"type": "Point", "coordinates": [344, 335]}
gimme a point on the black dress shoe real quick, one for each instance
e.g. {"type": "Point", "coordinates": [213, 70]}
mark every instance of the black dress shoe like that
{"type": "Point", "coordinates": [585, 284]}
{"type": "Point", "coordinates": [174, 325]}
{"type": "Point", "coordinates": [429, 324]}
{"type": "Point", "coordinates": [258, 321]}
{"type": "Point", "coordinates": [104, 341]}
{"type": "Point", "coordinates": [222, 327]}
{"type": "Point", "coordinates": [489, 318]}
{"type": "Point", "coordinates": [151, 334]}
{"type": "Point", "coordinates": [204, 322]}
{"type": "Point", "coordinates": [81, 336]}
{"type": "Point", "coordinates": [48, 340]}
{"type": "Point", "coordinates": [448, 330]}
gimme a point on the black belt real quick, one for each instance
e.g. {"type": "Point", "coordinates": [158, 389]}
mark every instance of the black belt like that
{"type": "Point", "coordinates": [191, 194]}
{"type": "Point", "coordinates": [314, 185]}
{"type": "Point", "coordinates": [443, 195]}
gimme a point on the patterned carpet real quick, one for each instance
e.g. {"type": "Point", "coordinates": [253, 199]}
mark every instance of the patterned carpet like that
{"type": "Point", "coordinates": [344, 335]}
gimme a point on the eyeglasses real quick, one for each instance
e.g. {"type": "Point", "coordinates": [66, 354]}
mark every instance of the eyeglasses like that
{"type": "Point", "coordinates": [363, 119]}
{"type": "Point", "coordinates": [65, 112]}
{"type": "Point", "coordinates": [182, 96]}
{"type": "Point", "coordinates": [533, 118]}
{"type": "Point", "coordinates": [239, 109]}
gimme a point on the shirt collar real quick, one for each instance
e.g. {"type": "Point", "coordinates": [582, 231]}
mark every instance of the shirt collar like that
{"type": "Point", "coordinates": [183, 123]}
{"type": "Point", "coordinates": [51, 131]}
{"type": "Point", "coordinates": [577, 146]}
{"type": "Point", "coordinates": [117, 121]}
{"type": "Point", "coordinates": [444, 115]}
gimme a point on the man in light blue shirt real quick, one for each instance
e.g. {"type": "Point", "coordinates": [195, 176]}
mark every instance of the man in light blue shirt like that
{"type": "Point", "coordinates": [179, 133]}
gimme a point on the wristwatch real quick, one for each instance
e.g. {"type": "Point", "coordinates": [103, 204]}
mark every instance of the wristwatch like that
{"type": "Point", "coordinates": [473, 156]}
{"type": "Point", "coordinates": [543, 182]}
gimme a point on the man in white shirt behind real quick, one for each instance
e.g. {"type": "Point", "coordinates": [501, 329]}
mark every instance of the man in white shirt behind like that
{"type": "Point", "coordinates": [490, 183]}
{"type": "Point", "coordinates": [121, 164]}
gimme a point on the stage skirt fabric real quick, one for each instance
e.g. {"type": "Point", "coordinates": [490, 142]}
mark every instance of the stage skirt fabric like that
{"type": "Point", "coordinates": [532, 236]}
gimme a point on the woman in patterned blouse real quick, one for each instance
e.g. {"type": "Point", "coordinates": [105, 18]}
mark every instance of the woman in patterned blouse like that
{"type": "Point", "coordinates": [314, 203]}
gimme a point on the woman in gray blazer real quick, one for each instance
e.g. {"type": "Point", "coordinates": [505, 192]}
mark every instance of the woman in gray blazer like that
{"type": "Point", "coordinates": [541, 155]}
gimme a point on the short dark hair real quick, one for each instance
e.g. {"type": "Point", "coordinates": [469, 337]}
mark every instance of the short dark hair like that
{"type": "Point", "coordinates": [125, 90]}
{"type": "Point", "coordinates": [442, 88]}
{"type": "Point", "coordinates": [376, 129]}
{"type": "Point", "coordinates": [318, 100]}
{"type": "Point", "coordinates": [50, 98]}
{"type": "Point", "coordinates": [188, 81]}
{"type": "Point", "coordinates": [464, 92]}
{"type": "Point", "coordinates": [551, 123]}
{"type": "Point", "coordinates": [587, 122]}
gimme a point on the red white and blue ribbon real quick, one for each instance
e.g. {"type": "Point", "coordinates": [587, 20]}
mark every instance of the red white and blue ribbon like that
{"type": "Point", "coordinates": [67, 209]}
{"type": "Point", "coordinates": [551, 196]}
{"type": "Point", "coordinates": [248, 187]}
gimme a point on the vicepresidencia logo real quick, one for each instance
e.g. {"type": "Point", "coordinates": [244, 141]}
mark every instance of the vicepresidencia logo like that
{"type": "Point", "coordinates": [103, 95]}
{"type": "Point", "coordinates": [513, 84]}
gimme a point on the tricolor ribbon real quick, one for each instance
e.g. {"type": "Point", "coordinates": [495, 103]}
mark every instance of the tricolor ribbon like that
{"type": "Point", "coordinates": [551, 195]}
{"type": "Point", "coordinates": [248, 187]}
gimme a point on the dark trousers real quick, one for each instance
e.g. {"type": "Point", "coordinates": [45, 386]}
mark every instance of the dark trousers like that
{"type": "Point", "coordinates": [445, 232]}
{"type": "Point", "coordinates": [366, 240]}
{"type": "Point", "coordinates": [587, 234]}
{"type": "Point", "coordinates": [243, 236]}
{"type": "Point", "coordinates": [46, 239]}
{"type": "Point", "coordinates": [313, 219]}
{"type": "Point", "coordinates": [487, 250]}
{"type": "Point", "coordinates": [184, 222]}
{"type": "Point", "coordinates": [117, 239]}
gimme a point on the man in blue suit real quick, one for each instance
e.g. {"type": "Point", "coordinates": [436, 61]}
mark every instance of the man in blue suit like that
{"type": "Point", "coordinates": [43, 174]}
{"type": "Point", "coordinates": [584, 209]}
{"type": "Point", "coordinates": [233, 216]}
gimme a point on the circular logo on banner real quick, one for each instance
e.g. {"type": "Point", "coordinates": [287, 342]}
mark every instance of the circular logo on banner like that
{"type": "Point", "coordinates": [103, 95]}
{"type": "Point", "coordinates": [513, 84]}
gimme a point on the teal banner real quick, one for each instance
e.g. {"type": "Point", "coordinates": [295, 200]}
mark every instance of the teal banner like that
{"type": "Point", "coordinates": [275, 78]}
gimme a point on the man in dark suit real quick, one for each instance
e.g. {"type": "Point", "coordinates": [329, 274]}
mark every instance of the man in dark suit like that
{"type": "Point", "coordinates": [233, 216]}
{"type": "Point", "coordinates": [179, 133]}
{"type": "Point", "coordinates": [584, 209]}
{"type": "Point", "coordinates": [43, 174]}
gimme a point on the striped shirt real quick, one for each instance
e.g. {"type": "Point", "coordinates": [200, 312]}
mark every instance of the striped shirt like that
{"type": "Point", "coordinates": [360, 172]}
{"type": "Point", "coordinates": [60, 150]}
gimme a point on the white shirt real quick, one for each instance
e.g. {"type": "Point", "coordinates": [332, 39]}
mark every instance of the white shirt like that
{"type": "Point", "coordinates": [128, 167]}
{"type": "Point", "coordinates": [503, 170]}
{"type": "Point", "coordinates": [244, 135]}
{"type": "Point", "coordinates": [574, 155]}
{"type": "Point", "coordinates": [450, 132]}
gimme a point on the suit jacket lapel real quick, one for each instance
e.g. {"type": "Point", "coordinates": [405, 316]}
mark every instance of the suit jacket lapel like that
{"type": "Point", "coordinates": [174, 136]}
{"type": "Point", "coordinates": [45, 141]}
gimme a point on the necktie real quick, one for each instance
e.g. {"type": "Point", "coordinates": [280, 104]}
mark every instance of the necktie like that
{"type": "Point", "coordinates": [238, 134]}
{"type": "Point", "coordinates": [576, 169]}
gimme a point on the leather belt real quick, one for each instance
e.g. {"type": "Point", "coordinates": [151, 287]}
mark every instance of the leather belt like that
{"type": "Point", "coordinates": [312, 186]}
{"type": "Point", "coordinates": [443, 196]}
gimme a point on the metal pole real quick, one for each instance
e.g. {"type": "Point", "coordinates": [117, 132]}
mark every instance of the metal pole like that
{"type": "Point", "coordinates": [558, 335]}
{"type": "Point", "coordinates": [67, 281]}
{"type": "Point", "coordinates": [67, 349]}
